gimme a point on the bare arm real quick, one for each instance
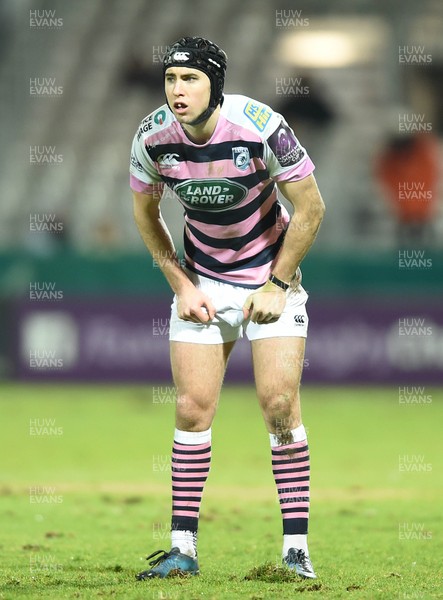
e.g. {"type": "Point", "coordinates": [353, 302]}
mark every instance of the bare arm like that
{"type": "Point", "coordinates": [309, 208]}
{"type": "Point", "coordinates": [191, 301]}
{"type": "Point", "coordinates": [268, 302]}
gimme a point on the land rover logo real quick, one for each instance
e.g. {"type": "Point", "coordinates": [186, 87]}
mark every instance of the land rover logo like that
{"type": "Point", "coordinates": [211, 194]}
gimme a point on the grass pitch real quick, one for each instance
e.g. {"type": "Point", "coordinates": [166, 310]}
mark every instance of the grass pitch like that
{"type": "Point", "coordinates": [85, 496]}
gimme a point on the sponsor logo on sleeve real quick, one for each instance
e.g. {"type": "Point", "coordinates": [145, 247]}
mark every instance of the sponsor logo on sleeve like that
{"type": "Point", "coordinates": [285, 146]}
{"type": "Point", "coordinates": [258, 114]}
{"type": "Point", "coordinates": [210, 194]}
{"type": "Point", "coordinates": [241, 157]}
{"type": "Point", "coordinates": [145, 126]}
{"type": "Point", "coordinates": [136, 163]}
{"type": "Point", "coordinates": [160, 117]}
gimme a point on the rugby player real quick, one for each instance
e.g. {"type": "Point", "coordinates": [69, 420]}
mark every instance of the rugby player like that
{"type": "Point", "coordinates": [226, 157]}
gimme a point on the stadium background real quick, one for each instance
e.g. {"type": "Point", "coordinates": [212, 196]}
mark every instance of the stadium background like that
{"type": "Point", "coordinates": [82, 300]}
{"type": "Point", "coordinates": [86, 399]}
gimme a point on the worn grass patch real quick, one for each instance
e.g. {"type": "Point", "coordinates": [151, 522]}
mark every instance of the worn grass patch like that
{"type": "Point", "coordinates": [82, 509]}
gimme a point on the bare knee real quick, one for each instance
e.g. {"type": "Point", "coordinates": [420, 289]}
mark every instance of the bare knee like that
{"type": "Point", "coordinates": [193, 414]}
{"type": "Point", "coordinates": [281, 412]}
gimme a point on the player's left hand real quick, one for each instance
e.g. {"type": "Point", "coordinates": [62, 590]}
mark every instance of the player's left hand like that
{"type": "Point", "coordinates": [266, 304]}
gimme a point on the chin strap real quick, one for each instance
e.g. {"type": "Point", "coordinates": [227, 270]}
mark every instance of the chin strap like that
{"type": "Point", "coordinates": [206, 114]}
{"type": "Point", "coordinates": [203, 117]}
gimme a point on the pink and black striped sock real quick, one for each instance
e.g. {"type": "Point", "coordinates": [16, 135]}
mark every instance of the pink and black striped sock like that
{"type": "Point", "coordinates": [191, 458]}
{"type": "Point", "coordinates": [291, 469]}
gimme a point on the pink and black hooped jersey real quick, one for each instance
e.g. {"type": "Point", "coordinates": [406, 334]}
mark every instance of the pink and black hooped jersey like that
{"type": "Point", "coordinates": [234, 222]}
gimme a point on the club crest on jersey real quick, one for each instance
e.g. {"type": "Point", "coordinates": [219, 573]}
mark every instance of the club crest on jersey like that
{"type": "Point", "coordinates": [241, 157]}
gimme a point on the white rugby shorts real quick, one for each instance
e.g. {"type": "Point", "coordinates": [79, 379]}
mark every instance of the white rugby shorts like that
{"type": "Point", "coordinates": [229, 324]}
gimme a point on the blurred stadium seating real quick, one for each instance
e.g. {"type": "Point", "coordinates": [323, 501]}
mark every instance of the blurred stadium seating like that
{"type": "Point", "coordinates": [106, 57]}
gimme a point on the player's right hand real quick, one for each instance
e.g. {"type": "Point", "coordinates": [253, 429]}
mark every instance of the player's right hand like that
{"type": "Point", "coordinates": [193, 305]}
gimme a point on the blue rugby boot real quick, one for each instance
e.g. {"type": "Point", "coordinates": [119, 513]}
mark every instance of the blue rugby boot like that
{"type": "Point", "coordinates": [169, 563]}
{"type": "Point", "coordinates": [298, 561]}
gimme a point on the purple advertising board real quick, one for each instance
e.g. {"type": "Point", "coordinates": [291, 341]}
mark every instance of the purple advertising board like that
{"type": "Point", "coordinates": [111, 339]}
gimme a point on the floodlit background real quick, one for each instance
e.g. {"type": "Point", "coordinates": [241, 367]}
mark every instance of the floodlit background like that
{"type": "Point", "coordinates": [85, 486]}
{"type": "Point", "coordinates": [361, 84]}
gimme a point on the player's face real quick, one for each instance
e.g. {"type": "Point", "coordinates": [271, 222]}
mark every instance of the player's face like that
{"type": "Point", "coordinates": [188, 92]}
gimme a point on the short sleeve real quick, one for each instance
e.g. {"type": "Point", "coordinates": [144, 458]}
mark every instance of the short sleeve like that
{"type": "Point", "coordinates": [285, 157]}
{"type": "Point", "coordinates": [143, 175]}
